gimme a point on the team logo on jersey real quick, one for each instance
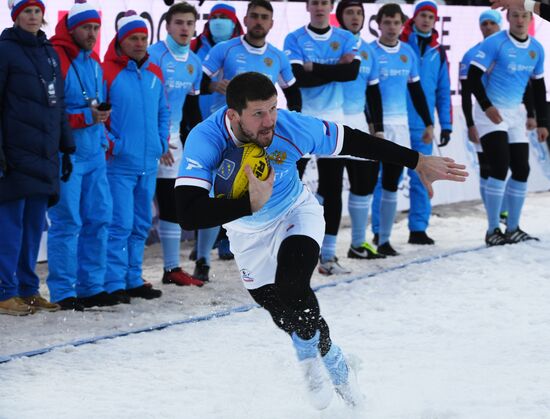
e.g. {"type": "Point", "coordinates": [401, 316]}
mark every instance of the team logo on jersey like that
{"type": "Point", "coordinates": [403, 58]}
{"type": "Point", "coordinates": [277, 157]}
{"type": "Point", "coordinates": [192, 164]}
{"type": "Point", "coordinates": [246, 275]}
{"type": "Point", "coordinates": [364, 55]}
{"type": "Point", "coordinates": [335, 45]}
{"type": "Point", "coordinates": [190, 68]}
{"type": "Point", "coordinates": [532, 54]}
{"type": "Point", "coordinates": [226, 169]}
{"type": "Point", "coordinates": [268, 61]}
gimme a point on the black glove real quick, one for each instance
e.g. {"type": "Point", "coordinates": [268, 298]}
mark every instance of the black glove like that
{"type": "Point", "coordinates": [445, 137]}
{"type": "Point", "coordinates": [66, 167]}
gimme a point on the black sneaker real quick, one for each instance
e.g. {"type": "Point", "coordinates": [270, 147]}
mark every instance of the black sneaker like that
{"type": "Point", "coordinates": [375, 239]}
{"type": "Point", "coordinates": [420, 237]}
{"type": "Point", "coordinates": [201, 270]}
{"type": "Point", "coordinates": [144, 292]}
{"type": "Point", "coordinates": [70, 303]}
{"type": "Point", "coordinates": [518, 236]}
{"type": "Point", "coordinates": [365, 251]}
{"type": "Point", "coordinates": [386, 249]}
{"type": "Point", "coordinates": [122, 296]}
{"type": "Point", "coordinates": [496, 238]}
{"type": "Point", "coordinates": [102, 299]}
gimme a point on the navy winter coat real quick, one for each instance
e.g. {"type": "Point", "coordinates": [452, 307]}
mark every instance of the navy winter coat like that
{"type": "Point", "coordinates": [32, 133]}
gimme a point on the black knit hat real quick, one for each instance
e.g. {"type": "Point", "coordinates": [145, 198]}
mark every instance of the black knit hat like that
{"type": "Point", "coordinates": [344, 4]}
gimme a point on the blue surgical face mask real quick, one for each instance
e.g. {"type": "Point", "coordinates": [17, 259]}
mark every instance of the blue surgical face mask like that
{"type": "Point", "coordinates": [221, 29]}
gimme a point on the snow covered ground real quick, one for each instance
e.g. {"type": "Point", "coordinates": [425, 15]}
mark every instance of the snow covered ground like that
{"type": "Point", "coordinates": [461, 336]}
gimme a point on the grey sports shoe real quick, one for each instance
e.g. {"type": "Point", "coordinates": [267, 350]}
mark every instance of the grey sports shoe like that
{"type": "Point", "coordinates": [332, 267]}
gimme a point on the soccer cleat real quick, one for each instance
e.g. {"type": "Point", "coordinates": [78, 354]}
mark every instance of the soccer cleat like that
{"type": "Point", "coordinates": [15, 306]}
{"type": "Point", "coordinates": [386, 250]}
{"type": "Point", "coordinates": [179, 277]}
{"type": "Point", "coordinates": [193, 254]}
{"type": "Point", "coordinates": [496, 238]}
{"type": "Point", "coordinates": [518, 236]}
{"type": "Point", "coordinates": [122, 296]}
{"type": "Point", "coordinates": [343, 377]}
{"type": "Point", "coordinates": [201, 270]}
{"type": "Point", "coordinates": [224, 253]}
{"type": "Point", "coordinates": [40, 303]}
{"type": "Point", "coordinates": [101, 299]}
{"type": "Point", "coordinates": [332, 267]}
{"type": "Point", "coordinates": [375, 239]}
{"type": "Point", "coordinates": [420, 237]}
{"type": "Point", "coordinates": [365, 251]}
{"type": "Point", "coordinates": [144, 292]}
{"type": "Point", "coordinates": [70, 303]}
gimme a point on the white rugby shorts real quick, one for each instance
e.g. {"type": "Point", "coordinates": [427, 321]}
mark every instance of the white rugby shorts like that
{"type": "Point", "coordinates": [256, 253]}
{"type": "Point", "coordinates": [513, 123]}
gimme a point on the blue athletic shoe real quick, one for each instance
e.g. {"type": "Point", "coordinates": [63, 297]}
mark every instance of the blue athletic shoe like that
{"type": "Point", "coordinates": [224, 253]}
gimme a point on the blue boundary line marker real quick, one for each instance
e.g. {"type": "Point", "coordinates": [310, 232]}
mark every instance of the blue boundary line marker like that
{"type": "Point", "coordinates": [225, 313]}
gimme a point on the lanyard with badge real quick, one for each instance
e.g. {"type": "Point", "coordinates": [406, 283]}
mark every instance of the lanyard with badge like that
{"type": "Point", "coordinates": [49, 86]}
{"type": "Point", "coordinates": [91, 101]}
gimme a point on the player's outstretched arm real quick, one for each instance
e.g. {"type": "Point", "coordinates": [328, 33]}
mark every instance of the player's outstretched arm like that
{"type": "Point", "coordinates": [430, 168]}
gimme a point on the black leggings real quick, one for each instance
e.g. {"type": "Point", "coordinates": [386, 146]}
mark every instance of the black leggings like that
{"type": "Point", "coordinates": [391, 174]}
{"type": "Point", "coordinates": [484, 168]}
{"type": "Point", "coordinates": [362, 177]}
{"type": "Point", "coordinates": [290, 300]}
{"type": "Point", "coordinates": [502, 156]}
{"type": "Point", "coordinates": [166, 199]}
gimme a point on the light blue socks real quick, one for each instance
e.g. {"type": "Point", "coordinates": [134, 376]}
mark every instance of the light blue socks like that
{"type": "Point", "coordinates": [494, 194]}
{"type": "Point", "coordinates": [170, 236]}
{"type": "Point", "coordinates": [358, 207]}
{"type": "Point", "coordinates": [388, 208]}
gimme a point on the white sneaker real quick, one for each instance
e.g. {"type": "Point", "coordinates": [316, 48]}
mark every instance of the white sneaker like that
{"type": "Point", "coordinates": [319, 387]}
{"type": "Point", "coordinates": [332, 267]}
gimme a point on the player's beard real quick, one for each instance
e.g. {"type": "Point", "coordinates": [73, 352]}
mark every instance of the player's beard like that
{"type": "Point", "coordinates": [263, 140]}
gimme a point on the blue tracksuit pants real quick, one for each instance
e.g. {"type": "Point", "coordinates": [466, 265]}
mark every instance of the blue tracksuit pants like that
{"type": "Point", "coordinates": [77, 238]}
{"type": "Point", "coordinates": [132, 217]}
{"type": "Point", "coordinates": [421, 207]}
{"type": "Point", "coordinates": [21, 227]}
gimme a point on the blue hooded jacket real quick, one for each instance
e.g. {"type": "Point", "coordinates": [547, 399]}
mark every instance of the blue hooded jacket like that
{"type": "Point", "coordinates": [139, 125]}
{"type": "Point", "coordinates": [32, 133]}
{"type": "Point", "coordinates": [434, 78]}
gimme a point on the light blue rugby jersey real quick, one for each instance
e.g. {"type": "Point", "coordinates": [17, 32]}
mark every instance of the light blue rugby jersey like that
{"type": "Point", "coordinates": [508, 65]}
{"type": "Point", "coordinates": [397, 66]}
{"type": "Point", "coordinates": [182, 77]}
{"type": "Point", "coordinates": [466, 61]}
{"type": "Point", "coordinates": [237, 56]}
{"type": "Point", "coordinates": [303, 46]}
{"type": "Point", "coordinates": [355, 98]}
{"type": "Point", "coordinates": [295, 135]}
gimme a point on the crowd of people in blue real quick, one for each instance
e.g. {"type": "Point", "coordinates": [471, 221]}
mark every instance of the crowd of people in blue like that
{"type": "Point", "coordinates": [92, 143]}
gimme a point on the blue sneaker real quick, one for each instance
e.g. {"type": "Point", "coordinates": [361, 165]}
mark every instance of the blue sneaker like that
{"type": "Point", "coordinates": [318, 385]}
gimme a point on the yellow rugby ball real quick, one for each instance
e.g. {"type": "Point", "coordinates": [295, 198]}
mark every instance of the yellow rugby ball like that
{"type": "Point", "coordinates": [231, 181]}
